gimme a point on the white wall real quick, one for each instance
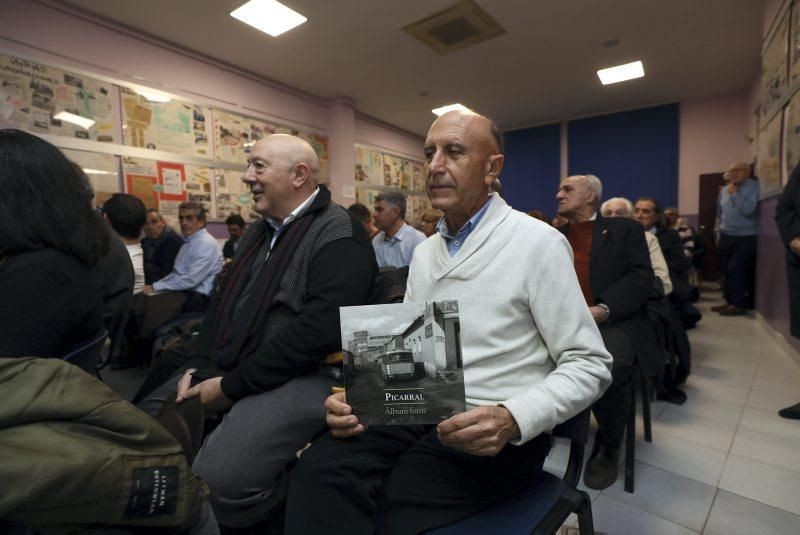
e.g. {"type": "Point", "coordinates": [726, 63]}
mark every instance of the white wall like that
{"type": "Point", "coordinates": [714, 132]}
{"type": "Point", "coordinates": [56, 35]}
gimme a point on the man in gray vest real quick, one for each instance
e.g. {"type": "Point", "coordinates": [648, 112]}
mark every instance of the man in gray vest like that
{"type": "Point", "coordinates": [262, 345]}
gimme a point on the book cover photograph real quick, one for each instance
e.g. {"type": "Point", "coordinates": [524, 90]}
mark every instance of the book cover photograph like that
{"type": "Point", "coordinates": [402, 362]}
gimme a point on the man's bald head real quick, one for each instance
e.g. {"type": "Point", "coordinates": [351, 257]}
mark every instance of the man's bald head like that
{"type": "Point", "coordinates": [291, 150]}
{"type": "Point", "coordinates": [281, 174]}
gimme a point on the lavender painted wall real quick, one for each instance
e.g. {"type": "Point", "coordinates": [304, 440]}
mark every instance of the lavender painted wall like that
{"type": "Point", "coordinates": [772, 292]}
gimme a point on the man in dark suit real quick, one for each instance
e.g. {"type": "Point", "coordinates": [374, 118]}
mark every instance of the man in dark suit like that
{"type": "Point", "coordinates": [614, 270]}
{"type": "Point", "coordinates": [648, 212]}
{"type": "Point", "coordinates": [787, 216]}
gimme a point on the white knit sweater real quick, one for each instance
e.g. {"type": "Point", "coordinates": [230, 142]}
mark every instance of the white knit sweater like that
{"type": "Point", "coordinates": [529, 342]}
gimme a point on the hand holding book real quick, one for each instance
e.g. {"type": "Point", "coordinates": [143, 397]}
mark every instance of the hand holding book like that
{"type": "Point", "coordinates": [480, 431]}
{"type": "Point", "coordinates": [340, 418]}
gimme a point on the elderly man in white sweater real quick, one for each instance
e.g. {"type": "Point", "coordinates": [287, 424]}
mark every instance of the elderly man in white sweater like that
{"type": "Point", "coordinates": [533, 357]}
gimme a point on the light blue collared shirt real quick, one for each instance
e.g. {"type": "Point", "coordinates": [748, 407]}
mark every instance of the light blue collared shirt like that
{"type": "Point", "coordinates": [454, 243]}
{"type": "Point", "coordinates": [396, 251]}
{"type": "Point", "coordinates": [198, 262]}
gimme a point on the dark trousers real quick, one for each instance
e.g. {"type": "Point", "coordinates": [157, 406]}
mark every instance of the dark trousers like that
{"type": "Point", "coordinates": [737, 258]}
{"type": "Point", "coordinates": [611, 410]}
{"type": "Point", "coordinates": [401, 480]}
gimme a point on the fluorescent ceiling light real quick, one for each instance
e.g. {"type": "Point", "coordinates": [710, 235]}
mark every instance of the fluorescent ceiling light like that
{"type": "Point", "coordinates": [620, 73]}
{"type": "Point", "coordinates": [90, 171]}
{"type": "Point", "coordinates": [269, 16]}
{"type": "Point", "coordinates": [152, 96]}
{"type": "Point", "coordinates": [450, 107]}
{"type": "Point", "coordinates": [83, 122]}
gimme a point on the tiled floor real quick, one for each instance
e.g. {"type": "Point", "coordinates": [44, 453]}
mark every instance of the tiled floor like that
{"type": "Point", "coordinates": [724, 463]}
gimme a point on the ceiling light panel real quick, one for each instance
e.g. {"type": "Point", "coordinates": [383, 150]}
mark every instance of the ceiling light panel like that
{"type": "Point", "coordinates": [450, 107]}
{"type": "Point", "coordinates": [83, 122]}
{"type": "Point", "coordinates": [268, 16]}
{"type": "Point", "coordinates": [620, 73]}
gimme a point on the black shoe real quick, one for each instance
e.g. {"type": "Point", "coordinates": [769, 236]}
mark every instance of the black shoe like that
{"type": "Point", "coordinates": [793, 412]}
{"type": "Point", "coordinates": [602, 467]}
{"type": "Point", "coordinates": [733, 310]}
{"type": "Point", "coordinates": [719, 308]}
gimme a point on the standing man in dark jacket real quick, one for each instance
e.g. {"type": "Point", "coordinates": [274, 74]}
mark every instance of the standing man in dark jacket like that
{"type": "Point", "coordinates": [264, 338]}
{"type": "Point", "coordinates": [235, 224]}
{"type": "Point", "coordinates": [787, 216]}
{"type": "Point", "coordinates": [614, 270]}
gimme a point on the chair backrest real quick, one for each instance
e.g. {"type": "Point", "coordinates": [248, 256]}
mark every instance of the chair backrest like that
{"type": "Point", "coordinates": [87, 356]}
{"type": "Point", "coordinates": [576, 429]}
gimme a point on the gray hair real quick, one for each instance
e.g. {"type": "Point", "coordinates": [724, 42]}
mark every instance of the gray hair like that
{"type": "Point", "coordinates": [595, 185]}
{"type": "Point", "coordinates": [628, 205]}
{"type": "Point", "coordinates": [395, 198]}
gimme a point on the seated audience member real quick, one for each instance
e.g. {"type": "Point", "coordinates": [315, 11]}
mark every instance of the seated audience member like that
{"type": "Point", "coordinates": [648, 213]}
{"type": "Point", "coordinates": [394, 245]}
{"type": "Point", "coordinates": [428, 222]}
{"type": "Point", "coordinates": [361, 213]}
{"type": "Point", "coordinates": [532, 358]}
{"type": "Point", "coordinates": [559, 221]}
{"type": "Point", "coordinates": [197, 263]}
{"type": "Point", "coordinates": [622, 207]}
{"type": "Point", "coordinates": [538, 214]}
{"type": "Point", "coordinates": [127, 215]}
{"type": "Point", "coordinates": [671, 217]}
{"type": "Point", "coordinates": [50, 238]}
{"type": "Point", "coordinates": [160, 245]}
{"type": "Point", "coordinates": [235, 224]}
{"type": "Point", "coordinates": [263, 341]}
{"type": "Point", "coordinates": [686, 232]}
{"type": "Point", "coordinates": [616, 277]}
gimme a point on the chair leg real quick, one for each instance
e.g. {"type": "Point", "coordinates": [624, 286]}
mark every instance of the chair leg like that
{"type": "Point", "coordinates": [630, 442]}
{"type": "Point", "coordinates": [584, 513]}
{"type": "Point", "coordinates": [645, 386]}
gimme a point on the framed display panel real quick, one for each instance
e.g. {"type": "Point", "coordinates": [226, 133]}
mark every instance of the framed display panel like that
{"type": "Point", "coordinates": [164, 185]}
{"type": "Point", "coordinates": [791, 136]}
{"type": "Point", "coordinates": [173, 126]}
{"type": "Point", "coordinates": [369, 166]}
{"type": "Point", "coordinates": [768, 163]}
{"type": "Point", "coordinates": [102, 170]}
{"type": "Point", "coordinates": [32, 94]}
{"type": "Point", "coordinates": [232, 195]}
{"type": "Point", "coordinates": [774, 70]}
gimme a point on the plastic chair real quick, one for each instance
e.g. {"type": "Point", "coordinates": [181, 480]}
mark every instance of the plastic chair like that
{"type": "Point", "coordinates": [87, 356]}
{"type": "Point", "coordinates": [544, 507]}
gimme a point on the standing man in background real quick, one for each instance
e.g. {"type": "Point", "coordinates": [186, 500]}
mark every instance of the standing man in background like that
{"type": "Point", "coordinates": [737, 220]}
{"type": "Point", "coordinates": [394, 246]}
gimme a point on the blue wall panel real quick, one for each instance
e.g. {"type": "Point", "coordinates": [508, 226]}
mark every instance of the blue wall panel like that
{"type": "Point", "coordinates": [635, 153]}
{"type": "Point", "coordinates": [531, 172]}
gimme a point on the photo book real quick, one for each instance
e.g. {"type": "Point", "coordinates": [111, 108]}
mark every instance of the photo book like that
{"type": "Point", "coordinates": [402, 362]}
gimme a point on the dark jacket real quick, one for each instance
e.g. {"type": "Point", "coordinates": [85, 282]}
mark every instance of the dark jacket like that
{"type": "Point", "coordinates": [229, 249]}
{"type": "Point", "coordinates": [787, 217]}
{"type": "Point", "coordinates": [50, 305]}
{"type": "Point", "coordinates": [114, 274]}
{"type": "Point", "coordinates": [672, 247]}
{"type": "Point", "coordinates": [621, 276]}
{"type": "Point", "coordinates": [159, 255]}
{"type": "Point", "coordinates": [303, 320]}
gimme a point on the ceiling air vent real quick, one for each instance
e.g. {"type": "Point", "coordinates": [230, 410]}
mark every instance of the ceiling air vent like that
{"type": "Point", "coordinates": [461, 25]}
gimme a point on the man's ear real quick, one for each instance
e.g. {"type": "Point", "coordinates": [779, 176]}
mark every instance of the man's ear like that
{"type": "Point", "coordinates": [494, 166]}
{"type": "Point", "coordinates": [301, 174]}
